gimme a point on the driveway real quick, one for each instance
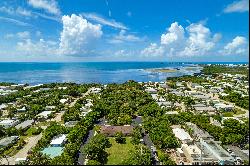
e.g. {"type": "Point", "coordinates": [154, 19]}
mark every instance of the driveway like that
{"type": "Point", "coordinates": [23, 153]}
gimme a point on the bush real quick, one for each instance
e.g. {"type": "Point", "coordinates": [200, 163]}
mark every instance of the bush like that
{"type": "Point", "coordinates": [119, 138]}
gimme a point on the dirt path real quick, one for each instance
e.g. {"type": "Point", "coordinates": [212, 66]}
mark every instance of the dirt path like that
{"type": "Point", "coordinates": [31, 142]}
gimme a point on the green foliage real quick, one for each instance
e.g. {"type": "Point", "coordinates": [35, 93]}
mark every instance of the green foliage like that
{"type": "Point", "coordinates": [95, 149]}
{"type": "Point", "coordinates": [136, 135]}
{"type": "Point", "coordinates": [164, 158]}
{"type": "Point", "coordinates": [234, 132]}
{"type": "Point", "coordinates": [140, 156]}
{"type": "Point", "coordinates": [212, 69]}
{"type": "Point", "coordinates": [93, 162]}
{"type": "Point", "coordinates": [160, 132]}
{"type": "Point", "coordinates": [119, 138]}
{"type": "Point", "coordinates": [236, 98]}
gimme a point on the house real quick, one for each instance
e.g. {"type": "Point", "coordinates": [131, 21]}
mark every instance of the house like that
{"type": "Point", "coordinates": [8, 123]}
{"type": "Point", "coordinates": [44, 114]}
{"type": "Point", "coordinates": [112, 130]}
{"type": "Point", "coordinates": [223, 106]}
{"type": "Point", "coordinates": [4, 142]}
{"type": "Point", "coordinates": [63, 101]}
{"type": "Point", "coordinates": [172, 113]}
{"type": "Point", "coordinates": [182, 135]}
{"type": "Point", "coordinates": [25, 124]}
{"type": "Point", "coordinates": [96, 90]}
{"type": "Point", "coordinates": [59, 140]}
{"type": "Point", "coordinates": [71, 123]}
{"type": "Point", "coordinates": [165, 104]}
{"type": "Point", "coordinates": [49, 108]}
{"type": "Point", "coordinates": [151, 90]}
{"type": "Point", "coordinates": [202, 109]}
{"type": "Point", "coordinates": [178, 93]}
{"type": "Point", "coordinates": [23, 109]}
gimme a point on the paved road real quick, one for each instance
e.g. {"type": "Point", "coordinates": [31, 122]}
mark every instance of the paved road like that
{"type": "Point", "coordinates": [146, 138]}
{"type": "Point", "coordinates": [23, 153]}
{"type": "Point", "coordinates": [81, 157]}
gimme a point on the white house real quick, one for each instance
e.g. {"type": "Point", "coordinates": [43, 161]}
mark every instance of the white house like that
{"type": "Point", "coordinates": [8, 123]}
{"type": "Point", "coordinates": [58, 140]}
{"type": "Point", "coordinates": [223, 106]}
{"type": "Point", "coordinates": [44, 114]}
{"type": "Point", "coordinates": [182, 135]}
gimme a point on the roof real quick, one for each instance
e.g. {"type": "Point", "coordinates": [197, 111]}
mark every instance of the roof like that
{"type": "Point", "coordinates": [58, 140]}
{"type": "Point", "coordinates": [44, 113]}
{"type": "Point", "coordinates": [7, 121]}
{"type": "Point", "coordinates": [25, 124]}
{"type": "Point", "coordinates": [181, 134]}
{"type": "Point", "coordinates": [53, 151]}
{"type": "Point", "coordinates": [7, 140]}
{"type": "Point", "coordinates": [209, 108]}
{"type": "Point", "coordinates": [112, 130]}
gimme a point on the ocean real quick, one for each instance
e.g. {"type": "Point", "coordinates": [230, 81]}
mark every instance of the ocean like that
{"type": "Point", "coordinates": [89, 72]}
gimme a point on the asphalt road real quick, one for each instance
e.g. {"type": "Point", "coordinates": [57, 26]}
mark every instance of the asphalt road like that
{"type": "Point", "coordinates": [146, 138]}
{"type": "Point", "coordinates": [81, 156]}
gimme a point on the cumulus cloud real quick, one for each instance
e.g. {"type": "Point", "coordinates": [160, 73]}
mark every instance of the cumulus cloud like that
{"type": "Point", "coordinates": [199, 41]}
{"type": "Point", "coordinates": [78, 36]}
{"type": "Point", "coordinates": [239, 45]}
{"type": "Point", "coordinates": [49, 6]}
{"type": "Point", "coordinates": [175, 34]}
{"type": "Point", "coordinates": [237, 6]}
{"type": "Point", "coordinates": [194, 40]}
{"type": "Point", "coordinates": [124, 37]}
{"type": "Point", "coordinates": [104, 21]}
{"type": "Point", "coordinates": [153, 50]}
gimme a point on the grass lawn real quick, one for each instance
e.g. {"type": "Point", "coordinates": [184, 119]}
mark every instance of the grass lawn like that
{"type": "Point", "coordinates": [238, 112]}
{"type": "Point", "coordinates": [118, 152]}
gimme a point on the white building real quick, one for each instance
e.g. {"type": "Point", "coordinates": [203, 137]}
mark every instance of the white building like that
{"type": "Point", "coordinates": [182, 135]}
{"type": "Point", "coordinates": [8, 123]}
{"type": "Point", "coordinates": [58, 140]}
{"type": "Point", "coordinates": [44, 114]}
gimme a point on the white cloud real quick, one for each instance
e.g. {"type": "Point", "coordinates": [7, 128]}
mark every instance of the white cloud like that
{"type": "Point", "coordinates": [194, 40]}
{"type": "Point", "coordinates": [199, 41]}
{"type": "Point", "coordinates": [237, 6]}
{"type": "Point", "coordinates": [23, 35]}
{"type": "Point", "coordinates": [49, 6]}
{"type": "Point", "coordinates": [123, 37]}
{"type": "Point", "coordinates": [175, 34]}
{"type": "Point", "coordinates": [78, 36]}
{"type": "Point", "coordinates": [19, 11]}
{"type": "Point", "coordinates": [153, 50]}
{"type": "Point", "coordinates": [53, 18]}
{"type": "Point", "coordinates": [14, 21]}
{"type": "Point", "coordinates": [104, 21]}
{"type": "Point", "coordinates": [23, 12]}
{"type": "Point", "coordinates": [239, 45]}
{"type": "Point", "coordinates": [39, 48]}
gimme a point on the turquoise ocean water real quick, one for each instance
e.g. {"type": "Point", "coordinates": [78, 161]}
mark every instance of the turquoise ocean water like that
{"type": "Point", "coordinates": [88, 72]}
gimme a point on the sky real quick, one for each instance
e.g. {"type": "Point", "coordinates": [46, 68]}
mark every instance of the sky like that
{"type": "Point", "coordinates": [124, 30]}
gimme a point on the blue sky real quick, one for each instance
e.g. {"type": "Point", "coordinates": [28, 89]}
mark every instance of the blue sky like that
{"type": "Point", "coordinates": [124, 30]}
